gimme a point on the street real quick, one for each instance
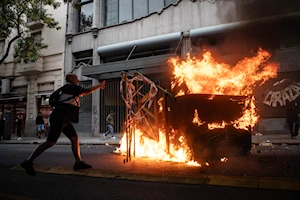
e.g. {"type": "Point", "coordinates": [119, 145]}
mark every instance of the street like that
{"type": "Point", "coordinates": [16, 184]}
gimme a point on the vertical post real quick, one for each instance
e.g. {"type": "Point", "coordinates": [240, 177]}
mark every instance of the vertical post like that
{"type": "Point", "coordinates": [155, 115]}
{"type": "Point", "coordinates": [166, 123]}
{"type": "Point", "coordinates": [127, 123]}
{"type": "Point", "coordinates": [134, 139]}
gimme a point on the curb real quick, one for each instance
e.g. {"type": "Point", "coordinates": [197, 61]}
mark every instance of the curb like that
{"type": "Point", "coordinates": [213, 180]}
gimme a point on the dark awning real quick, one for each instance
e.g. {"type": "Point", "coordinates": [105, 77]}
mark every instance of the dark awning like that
{"type": "Point", "coordinates": [154, 64]}
{"type": "Point", "coordinates": [12, 99]}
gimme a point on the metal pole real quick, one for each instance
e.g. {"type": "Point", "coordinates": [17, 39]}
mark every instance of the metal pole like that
{"type": "Point", "coordinates": [166, 123]}
{"type": "Point", "coordinates": [127, 121]}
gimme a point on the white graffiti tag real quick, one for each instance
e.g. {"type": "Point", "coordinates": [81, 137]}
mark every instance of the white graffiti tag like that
{"type": "Point", "coordinates": [282, 97]}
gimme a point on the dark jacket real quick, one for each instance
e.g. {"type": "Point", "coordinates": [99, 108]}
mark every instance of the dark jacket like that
{"type": "Point", "coordinates": [39, 120]}
{"type": "Point", "coordinates": [292, 111]}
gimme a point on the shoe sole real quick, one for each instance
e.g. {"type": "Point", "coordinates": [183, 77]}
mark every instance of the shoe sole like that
{"type": "Point", "coordinates": [23, 165]}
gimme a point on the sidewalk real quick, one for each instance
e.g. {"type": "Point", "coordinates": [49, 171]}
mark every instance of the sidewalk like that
{"type": "Point", "coordinates": [63, 140]}
{"type": "Point", "coordinates": [257, 139]}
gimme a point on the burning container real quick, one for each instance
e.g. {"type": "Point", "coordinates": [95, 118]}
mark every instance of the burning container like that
{"type": "Point", "coordinates": [210, 124]}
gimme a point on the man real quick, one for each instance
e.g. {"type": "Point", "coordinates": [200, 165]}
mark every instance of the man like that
{"type": "Point", "coordinates": [19, 124]}
{"type": "Point", "coordinates": [39, 121]}
{"type": "Point", "coordinates": [61, 118]}
{"type": "Point", "coordinates": [292, 118]}
{"type": "Point", "coordinates": [2, 125]}
{"type": "Point", "coordinates": [110, 125]}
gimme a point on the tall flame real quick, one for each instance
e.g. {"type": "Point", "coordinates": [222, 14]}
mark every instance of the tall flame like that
{"type": "Point", "coordinates": [207, 76]}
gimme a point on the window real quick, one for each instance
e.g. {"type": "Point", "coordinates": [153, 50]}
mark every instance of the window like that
{"type": "Point", "coordinates": [126, 7]}
{"type": "Point", "coordinates": [37, 36]}
{"type": "Point", "coordinates": [140, 8]}
{"type": "Point", "coordinates": [85, 15]}
{"type": "Point", "coordinates": [111, 12]}
{"type": "Point", "coordinates": [168, 2]}
{"type": "Point", "coordinates": [120, 11]}
{"type": "Point", "coordinates": [83, 57]}
{"type": "Point", "coordinates": [155, 6]}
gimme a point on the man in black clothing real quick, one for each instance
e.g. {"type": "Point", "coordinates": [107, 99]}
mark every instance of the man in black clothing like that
{"type": "Point", "coordinates": [2, 125]}
{"type": "Point", "coordinates": [293, 119]}
{"type": "Point", "coordinates": [39, 121]}
{"type": "Point", "coordinates": [19, 124]}
{"type": "Point", "coordinates": [61, 118]}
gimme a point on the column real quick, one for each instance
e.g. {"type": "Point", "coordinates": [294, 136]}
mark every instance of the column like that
{"type": "Point", "coordinates": [186, 44]}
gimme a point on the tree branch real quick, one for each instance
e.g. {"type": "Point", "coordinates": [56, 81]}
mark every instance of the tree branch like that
{"type": "Point", "coordinates": [8, 48]}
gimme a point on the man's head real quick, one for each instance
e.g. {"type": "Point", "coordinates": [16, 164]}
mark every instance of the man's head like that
{"type": "Point", "coordinates": [112, 112]}
{"type": "Point", "coordinates": [40, 113]}
{"type": "Point", "coordinates": [72, 78]}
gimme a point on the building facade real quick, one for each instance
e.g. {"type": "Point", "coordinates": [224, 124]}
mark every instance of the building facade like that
{"type": "Point", "coordinates": [106, 37]}
{"type": "Point", "coordinates": [26, 88]}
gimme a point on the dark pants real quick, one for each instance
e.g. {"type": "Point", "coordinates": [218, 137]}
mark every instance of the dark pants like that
{"type": "Point", "coordinates": [293, 127]}
{"type": "Point", "coordinates": [1, 132]}
{"type": "Point", "coordinates": [19, 129]}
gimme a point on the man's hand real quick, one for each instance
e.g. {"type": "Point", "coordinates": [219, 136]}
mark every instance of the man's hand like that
{"type": "Point", "coordinates": [102, 85]}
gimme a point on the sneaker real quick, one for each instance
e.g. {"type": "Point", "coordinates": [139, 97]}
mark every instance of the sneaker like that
{"type": "Point", "coordinates": [81, 165]}
{"type": "Point", "coordinates": [113, 138]}
{"type": "Point", "coordinates": [19, 138]}
{"type": "Point", "coordinates": [28, 168]}
{"type": "Point", "coordinates": [104, 135]}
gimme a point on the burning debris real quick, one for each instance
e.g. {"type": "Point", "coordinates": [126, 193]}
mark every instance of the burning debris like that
{"type": "Point", "coordinates": [213, 112]}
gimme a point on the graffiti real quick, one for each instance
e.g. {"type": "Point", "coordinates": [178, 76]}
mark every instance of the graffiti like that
{"type": "Point", "coordinates": [282, 97]}
{"type": "Point", "coordinates": [95, 120]}
{"type": "Point", "coordinates": [95, 110]}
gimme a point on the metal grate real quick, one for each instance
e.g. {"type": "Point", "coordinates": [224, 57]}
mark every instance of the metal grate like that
{"type": "Point", "coordinates": [110, 99]}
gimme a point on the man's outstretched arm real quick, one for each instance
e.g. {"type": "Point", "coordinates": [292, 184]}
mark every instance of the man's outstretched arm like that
{"type": "Point", "coordinates": [91, 89]}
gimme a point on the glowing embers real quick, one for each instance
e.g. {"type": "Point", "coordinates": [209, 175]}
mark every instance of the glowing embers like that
{"type": "Point", "coordinates": [143, 146]}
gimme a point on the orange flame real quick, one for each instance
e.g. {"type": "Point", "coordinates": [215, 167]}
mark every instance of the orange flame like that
{"type": "Point", "coordinates": [196, 119]}
{"type": "Point", "coordinates": [207, 76]}
{"type": "Point", "coordinates": [146, 147]}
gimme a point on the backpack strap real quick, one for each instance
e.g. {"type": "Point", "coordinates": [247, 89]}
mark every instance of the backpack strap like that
{"type": "Point", "coordinates": [67, 99]}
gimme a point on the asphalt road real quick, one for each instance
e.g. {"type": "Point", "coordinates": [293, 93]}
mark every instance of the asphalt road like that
{"type": "Point", "coordinates": [16, 184]}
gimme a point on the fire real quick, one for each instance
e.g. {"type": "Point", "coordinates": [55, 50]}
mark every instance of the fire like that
{"type": "Point", "coordinates": [224, 159]}
{"type": "Point", "coordinates": [206, 76]}
{"type": "Point", "coordinates": [146, 147]}
{"type": "Point", "coordinates": [196, 119]}
{"type": "Point", "coordinates": [249, 118]}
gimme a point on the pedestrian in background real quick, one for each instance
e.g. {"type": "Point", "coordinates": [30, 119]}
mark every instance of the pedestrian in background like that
{"type": "Point", "coordinates": [19, 123]}
{"type": "Point", "coordinates": [110, 125]}
{"type": "Point", "coordinates": [293, 119]}
{"type": "Point", "coordinates": [2, 125]}
{"type": "Point", "coordinates": [65, 112]}
{"type": "Point", "coordinates": [39, 121]}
